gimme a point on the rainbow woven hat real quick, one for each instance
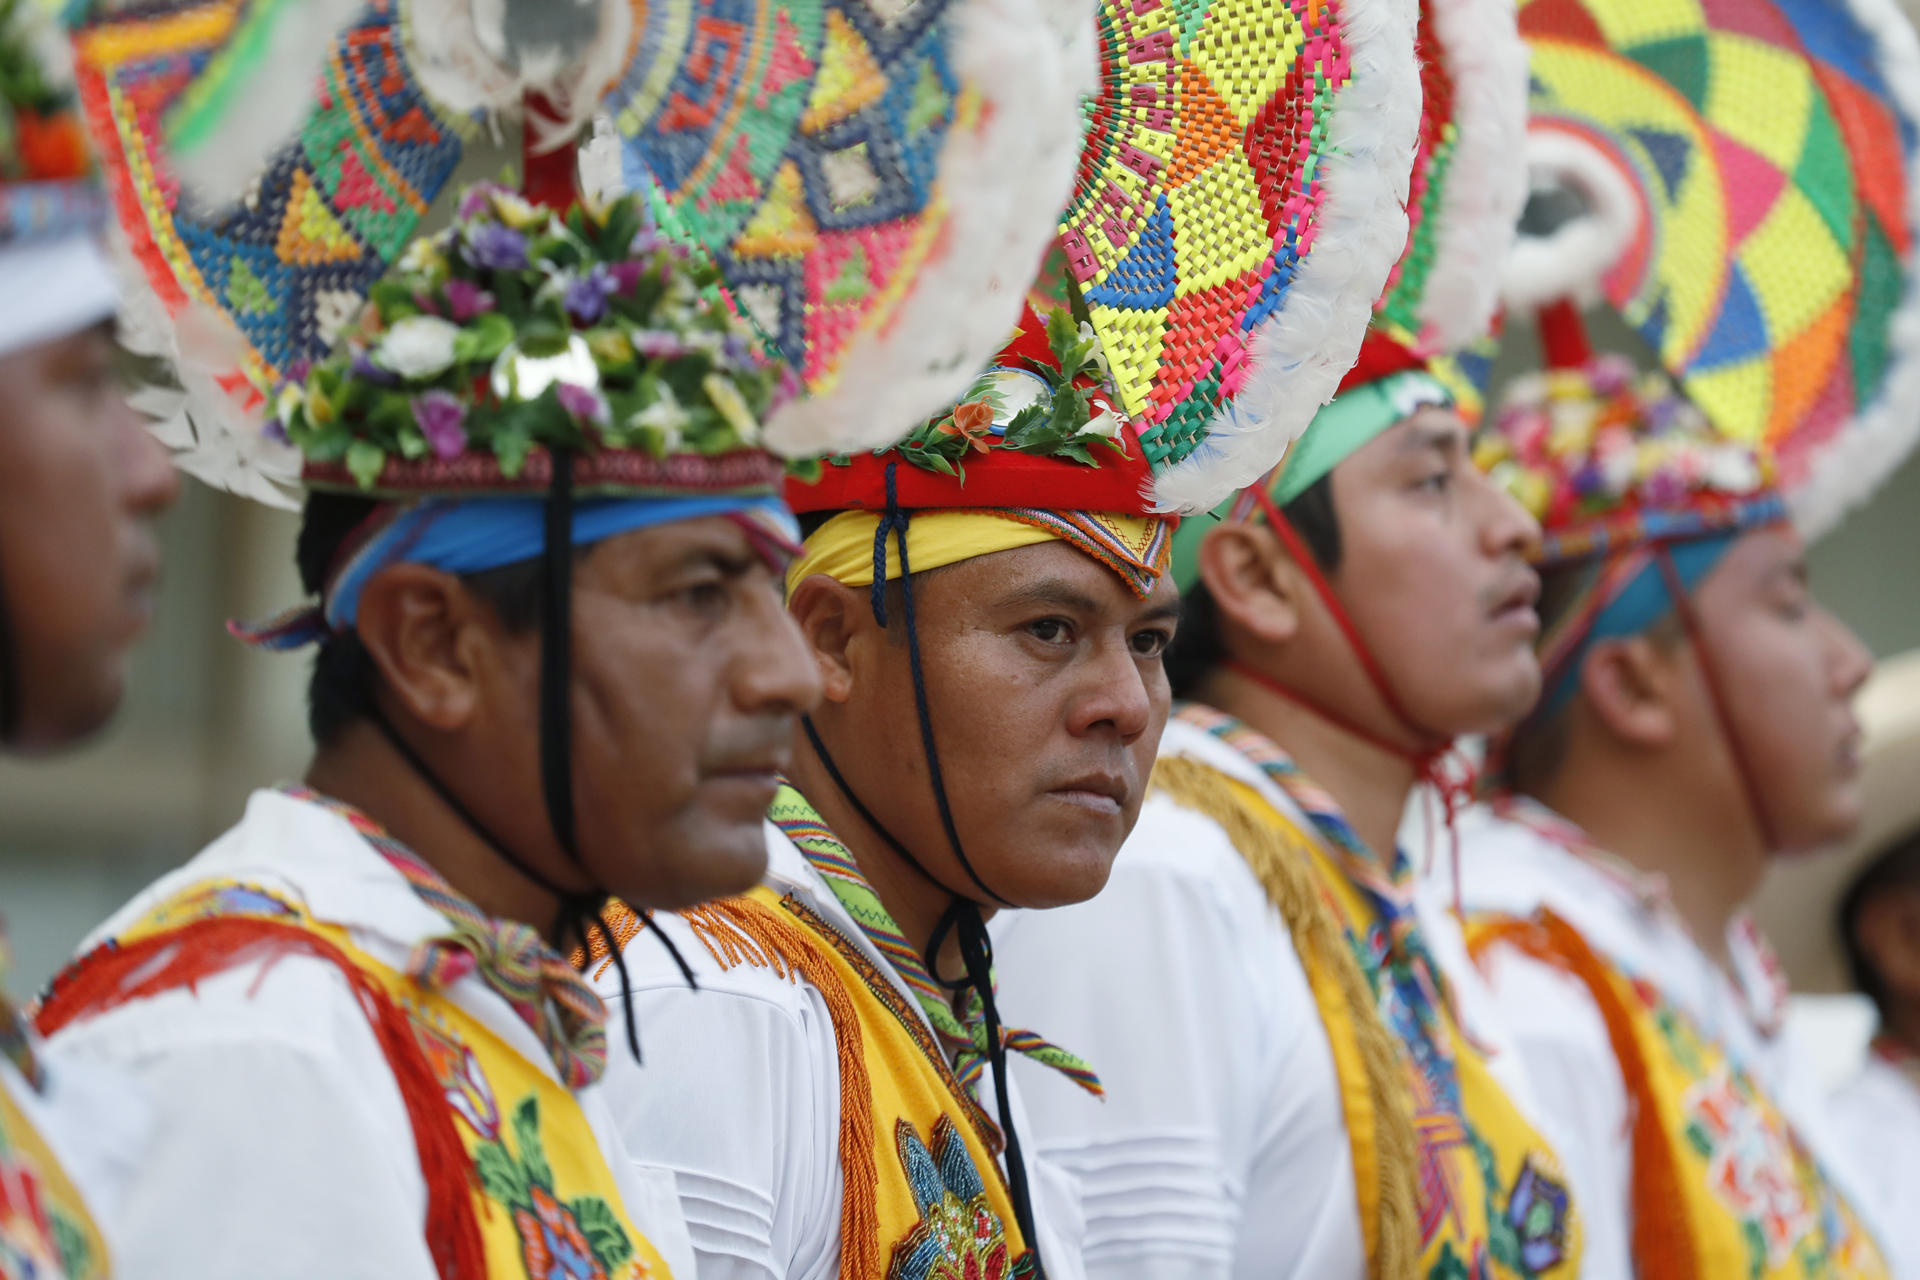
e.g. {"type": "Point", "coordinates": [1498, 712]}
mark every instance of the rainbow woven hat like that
{"type": "Point", "coordinates": [1734, 177]}
{"type": "Point", "coordinates": [848, 174]}
{"type": "Point", "coordinates": [1240, 204]}
{"type": "Point", "coordinates": [54, 276]}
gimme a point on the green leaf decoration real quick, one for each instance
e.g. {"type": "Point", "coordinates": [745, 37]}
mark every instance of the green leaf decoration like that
{"type": "Point", "coordinates": [366, 460]}
{"type": "Point", "coordinates": [526, 1134]}
{"type": "Point", "coordinates": [483, 339]}
{"type": "Point", "coordinates": [605, 1236]}
{"type": "Point", "coordinates": [502, 1177]}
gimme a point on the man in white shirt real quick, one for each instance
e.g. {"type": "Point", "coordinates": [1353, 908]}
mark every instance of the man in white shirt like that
{"type": "Point", "coordinates": [366, 1049]}
{"type": "Point", "coordinates": [81, 484]}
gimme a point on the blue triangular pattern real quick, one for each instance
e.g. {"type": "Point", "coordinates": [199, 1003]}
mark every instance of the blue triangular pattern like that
{"type": "Point", "coordinates": [919, 157]}
{"type": "Point", "coordinates": [1670, 154]}
{"type": "Point", "coordinates": [1273, 295]}
{"type": "Point", "coordinates": [1741, 330]}
{"type": "Point", "coordinates": [1654, 327]}
{"type": "Point", "coordinates": [1145, 278]}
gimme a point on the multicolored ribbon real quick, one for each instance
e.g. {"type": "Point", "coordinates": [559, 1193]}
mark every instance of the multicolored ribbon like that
{"type": "Point", "coordinates": [965, 1034]}
{"type": "Point", "coordinates": [1405, 977]}
{"type": "Point", "coordinates": [512, 958]}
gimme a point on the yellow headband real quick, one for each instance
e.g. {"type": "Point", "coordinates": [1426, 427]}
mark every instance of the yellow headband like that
{"type": "Point", "coordinates": [1134, 547]}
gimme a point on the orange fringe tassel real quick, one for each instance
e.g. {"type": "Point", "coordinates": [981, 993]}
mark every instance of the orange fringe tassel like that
{"type": "Point", "coordinates": [111, 976]}
{"type": "Point", "coordinates": [1663, 1245]}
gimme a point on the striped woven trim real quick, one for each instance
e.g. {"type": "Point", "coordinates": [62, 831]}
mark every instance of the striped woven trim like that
{"type": "Point", "coordinates": [1140, 566]}
{"type": "Point", "coordinates": [1703, 514]}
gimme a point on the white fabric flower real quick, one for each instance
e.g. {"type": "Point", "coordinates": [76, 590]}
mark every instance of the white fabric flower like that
{"type": "Point", "coordinates": [418, 348]}
{"type": "Point", "coordinates": [1105, 424]}
{"type": "Point", "coordinates": [1732, 469]}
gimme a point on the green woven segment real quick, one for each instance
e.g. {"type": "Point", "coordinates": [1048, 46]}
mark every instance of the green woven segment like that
{"type": "Point", "coordinates": [1174, 439]}
{"type": "Point", "coordinates": [1400, 309]}
{"type": "Point", "coordinates": [229, 78]}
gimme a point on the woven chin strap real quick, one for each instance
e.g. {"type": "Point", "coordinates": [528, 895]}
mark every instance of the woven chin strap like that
{"type": "Point", "coordinates": [962, 919]}
{"type": "Point", "coordinates": [1441, 765]}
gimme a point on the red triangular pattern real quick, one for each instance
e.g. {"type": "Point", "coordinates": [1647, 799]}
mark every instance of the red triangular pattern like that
{"type": "Point", "coordinates": [1560, 20]}
{"type": "Point", "coordinates": [1750, 183]}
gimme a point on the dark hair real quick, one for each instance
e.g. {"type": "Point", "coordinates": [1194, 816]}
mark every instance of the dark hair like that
{"type": "Point", "coordinates": [1896, 868]}
{"type": "Point", "coordinates": [1200, 645]}
{"type": "Point", "coordinates": [340, 690]}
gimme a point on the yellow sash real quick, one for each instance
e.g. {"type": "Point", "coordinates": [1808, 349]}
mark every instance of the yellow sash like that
{"type": "Point", "coordinates": [924, 1198]}
{"type": "Point", "coordinates": [1442, 1197]}
{"type": "Point", "coordinates": [45, 1230]}
{"type": "Point", "coordinates": [1722, 1187]}
{"type": "Point", "coordinates": [541, 1196]}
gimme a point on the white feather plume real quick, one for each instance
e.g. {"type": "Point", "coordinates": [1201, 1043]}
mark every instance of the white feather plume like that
{"type": "Point", "coordinates": [1485, 190]}
{"type": "Point", "coordinates": [1300, 354]}
{"type": "Point", "coordinates": [1571, 262]}
{"type": "Point", "coordinates": [1845, 473]}
{"type": "Point", "coordinates": [279, 92]}
{"type": "Point", "coordinates": [1006, 181]}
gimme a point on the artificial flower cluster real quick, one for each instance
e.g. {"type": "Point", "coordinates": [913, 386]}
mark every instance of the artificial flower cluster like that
{"type": "Point", "coordinates": [41, 136]}
{"type": "Point", "coordinates": [1046, 394]}
{"type": "Point", "coordinates": [519, 328]}
{"type": "Point", "coordinates": [1574, 444]}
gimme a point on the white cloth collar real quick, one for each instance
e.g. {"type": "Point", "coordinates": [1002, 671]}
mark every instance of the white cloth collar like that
{"type": "Point", "coordinates": [1524, 857]}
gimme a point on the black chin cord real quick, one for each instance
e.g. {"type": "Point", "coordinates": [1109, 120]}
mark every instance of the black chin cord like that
{"type": "Point", "coordinates": [962, 918]}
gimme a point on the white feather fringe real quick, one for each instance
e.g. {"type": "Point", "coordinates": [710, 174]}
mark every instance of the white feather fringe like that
{"type": "Point", "coordinates": [1300, 354]}
{"type": "Point", "coordinates": [1006, 182]}
{"type": "Point", "coordinates": [1571, 263]}
{"type": "Point", "coordinates": [1845, 473]}
{"type": "Point", "coordinates": [460, 53]}
{"type": "Point", "coordinates": [1486, 189]}
{"type": "Point", "coordinates": [279, 93]}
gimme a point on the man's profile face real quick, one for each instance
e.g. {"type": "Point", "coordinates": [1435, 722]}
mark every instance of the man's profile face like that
{"type": "Point", "coordinates": [1434, 576]}
{"type": "Point", "coordinates": [1789, 670]}
{"type": "Point", "coordinates": [1047, 695]}
{"type": "Point", "coordinates": [81, 482]}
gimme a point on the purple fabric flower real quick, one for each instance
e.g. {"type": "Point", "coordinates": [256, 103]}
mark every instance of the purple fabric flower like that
{"type": "Point", "coordinates": [467, 300]}
{"type": "Point", "coordinates": [586, 296]}
{"type": "Point", "coordinates": [1588, 480]}
{"type": "Point", "coordinates": [300, 370]}
{"type": "Point", "coordinates": [584, 405]}
{"type": "Point", "coordinates": [645, 241]}
{"type": "Point", "coordinates": [477, 200]}
{"type": "Point", "coordinates": [366, 370]}
{"type": "Point", "coordinates": [492, 246]}
{"type": "Point", "coordinates": [443, 421]}
{"type": "Point", "coordinates": [626, 275]}
{"type": "Point", "coordinates": [1664, 488]}
{"type": "Point", "coordinates": [739, 352]}
{"type": "Point", "coordinates": [276, 431]}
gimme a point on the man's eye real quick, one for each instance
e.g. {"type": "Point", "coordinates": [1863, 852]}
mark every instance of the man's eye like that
{"type": "Point", "coordinates": [1151, 644]}
{"type": "Point", "coordinates": [703, 597]}
{"type": "Point", "coordinates": [1438, 482]}
{"type": "Point", "coordinates": [1051, 630]}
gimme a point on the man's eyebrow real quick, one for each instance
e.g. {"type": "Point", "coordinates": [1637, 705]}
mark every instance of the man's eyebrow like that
{"type": "Point", "coordinates": [1053, 593]}
{"type": "Point", "coordinates": [1160, 613]}
{"type": "Point", "coordinates": [1441, 439]}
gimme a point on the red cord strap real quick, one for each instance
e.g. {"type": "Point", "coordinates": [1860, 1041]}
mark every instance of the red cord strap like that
{"type": "Point", "coordinates": [1716, 692]}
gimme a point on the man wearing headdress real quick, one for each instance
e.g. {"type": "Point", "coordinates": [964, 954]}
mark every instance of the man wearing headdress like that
{"type": "Point", "coordinates": [367, 1051]}
{"type": "Point", "coordinates": [81, 483]}
{"type": "Point", "coordinates": [1293, 1085]}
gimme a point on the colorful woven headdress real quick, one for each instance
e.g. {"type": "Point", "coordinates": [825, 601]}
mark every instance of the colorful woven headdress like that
{"type": "Point", "coordinates": [850, 176]}
{"type": "Point", "coordinates": [54, 276]}
{"type": "Point", "coordinates": [1735, 178]}
{"type": "Point", "coordinates": [1239, 203]}
{"type": "Point", "coordinates": [1467, 189]}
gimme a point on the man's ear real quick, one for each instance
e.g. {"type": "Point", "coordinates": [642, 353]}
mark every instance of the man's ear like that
{"type": "Point", "coordinates": [1631, 687]}
{"type": "Point", "coordinates": [835, 619]}
{"type": "Point", "coordinates": [430, 638]}
{"type": "Point", "coordinates": [1254, 582]}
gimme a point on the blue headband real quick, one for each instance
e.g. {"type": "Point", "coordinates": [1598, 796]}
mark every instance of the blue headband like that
{"type": "Point", "coordinates": [471, 535]}
{"type": "Point", "coordinates": [1639, 603]}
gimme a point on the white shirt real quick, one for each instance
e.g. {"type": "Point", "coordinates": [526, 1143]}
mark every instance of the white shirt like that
{"type": "Point", "coordinates": [1877, 1116]}
{"type": "Point", "coordinates": [739, 1095]}
{"type": "Point", "coordinates": [1221, 1148]}
{"type": "Point", "coordinates": [1510, 868]}
{"type": "Point", "coordinates": [280, 1145]}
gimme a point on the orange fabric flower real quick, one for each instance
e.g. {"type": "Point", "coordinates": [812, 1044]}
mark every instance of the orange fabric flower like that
{"type": "Point", "coordinates": [52, 147]}
{"type": "Point", "coordinates": [973, 421]}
